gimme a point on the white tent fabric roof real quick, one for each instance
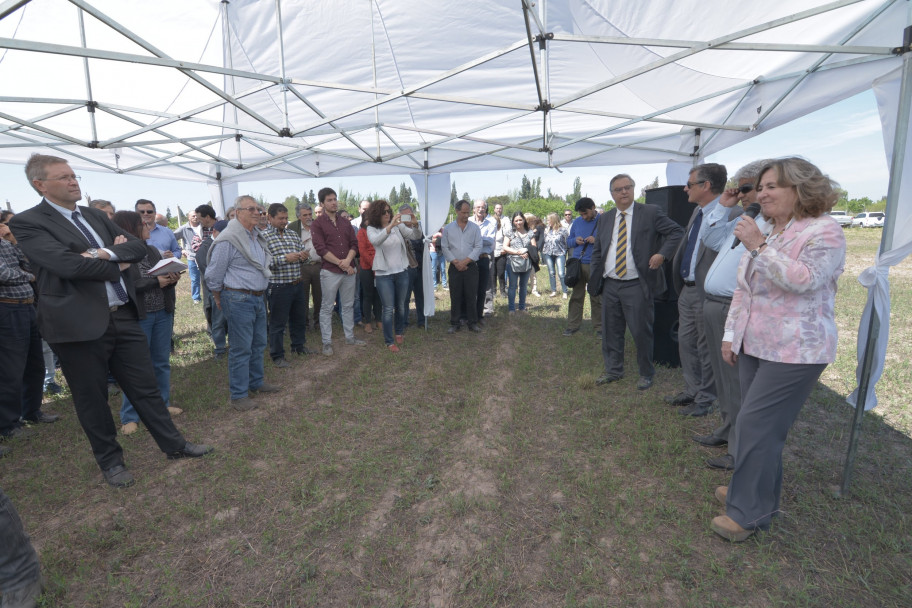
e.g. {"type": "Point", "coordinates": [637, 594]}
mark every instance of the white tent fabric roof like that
{"type": "Point", "coordinates": [251, 90]}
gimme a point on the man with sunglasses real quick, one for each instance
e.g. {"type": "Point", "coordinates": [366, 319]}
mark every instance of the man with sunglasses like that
{"type": "Point", "coordinates": [159, 237]}
{"type": "Point", "coordinates": [719, 287]}
{"type": "Point", "coordinates": [692, 260]}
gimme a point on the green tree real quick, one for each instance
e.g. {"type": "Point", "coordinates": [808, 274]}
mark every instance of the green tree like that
{"type": "Point", "coordinates": [525, 189]}
{"type": "Point", "coordinates": [311, 198]}
{"type": "Point", "coordinates": [454, 196]}
{"type": "Point", "coordinates": [290, 203]}
{"type": "Point", "coordinates": [466, 197]}
{"type": "Point", "coordinates": [393, 198]}
{"type": "Point", "coordinates": [576, 194]}
{"type": "Point", "coordinates": [405, 194]}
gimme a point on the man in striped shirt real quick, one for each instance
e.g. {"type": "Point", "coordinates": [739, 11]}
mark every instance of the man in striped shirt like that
{"type": "Point", "coordinates": [286, 297]}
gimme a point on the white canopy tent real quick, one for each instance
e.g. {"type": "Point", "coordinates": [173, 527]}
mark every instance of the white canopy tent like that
{"type": "Point", "coordinates": [241, 90]}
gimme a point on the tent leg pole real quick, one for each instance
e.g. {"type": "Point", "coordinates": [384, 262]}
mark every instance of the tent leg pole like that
{"type": "Point", "coordinates": [886, 243]}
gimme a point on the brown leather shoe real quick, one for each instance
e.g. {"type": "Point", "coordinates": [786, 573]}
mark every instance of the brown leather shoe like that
{"type": "Point", "coordinates": [722, 494]}
{"type": "Point", "coordinates": [129, 428]}
{"type": "Point", "coordinates": [729, 529]}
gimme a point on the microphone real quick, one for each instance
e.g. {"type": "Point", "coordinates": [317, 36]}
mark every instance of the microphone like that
{"type": "Point", "coordinates": [752, 211]}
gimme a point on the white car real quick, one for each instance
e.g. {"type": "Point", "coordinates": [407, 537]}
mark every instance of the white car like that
{"type": "Point", "coordinates": [842, 218]}
{"type": "Point", "coordinates": [869, 219]}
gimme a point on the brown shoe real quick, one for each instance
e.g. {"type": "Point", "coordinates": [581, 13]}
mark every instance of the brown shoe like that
{"type": "Point", "coordinates": [175, 411]}
{"type": "Point", "coordinates": [129, 428]}
{"type": "Point", "coordinates": [722, 494]}
{"type": "Point", "coordinates": [729, 529]}
{"type": "Point", "coordinates": [368, 328]}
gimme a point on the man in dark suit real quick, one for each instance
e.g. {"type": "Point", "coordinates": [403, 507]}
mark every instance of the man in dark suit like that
{"type": "Point", "coordinates": [692, 261]}
{"type": "Point", "coordinates": [88, 311]}
{"type": "Point", "coordinates": [632, 243]}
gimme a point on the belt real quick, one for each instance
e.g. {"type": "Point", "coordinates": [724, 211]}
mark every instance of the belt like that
{"type": "Point", "coordinates": [13, 301]}
{"type": "Point", "coordinates": [485, 256]}
{"type": "Point", "coordinates": [247, 291]}
{"type": "Point", "coordinates": [690, 283]}
{"type": "Point", "coordinates": [719, 299]}
{"type": "Point", "coordinates": [295, 282]}
{"type": "Point", "coordinates": [621, 280]}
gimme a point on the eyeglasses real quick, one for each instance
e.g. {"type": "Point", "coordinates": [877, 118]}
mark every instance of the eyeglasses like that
{"type": "Point", "coordinates": [248, 209]}
{"type": "Point", "coordinates": [568, 214]}
{"type": "Point", "coordinates": [692, 184]}
{"type": "Point", "coordinates": [746, 188]}
{"type": "Point", "coordinates": [146, 211]}
{"type": "Point", "coordinates": [622, 188]}
{"type": "Point", "coordinates": [65, 178]}
{"type": "Point", "coordinates": [387, 212]}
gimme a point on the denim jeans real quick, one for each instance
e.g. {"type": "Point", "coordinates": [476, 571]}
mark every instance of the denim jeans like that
{"type": "Point", "coordinates": [246, 314]}
{"type": "Point", "coordinates": [219, 327]}
{"type": "Point", "coordinates": [18, 561]}
{"type": "Point", "coordinates": [438, 265]}
{"type": "Point", "coordinates": [557, 261]}
{"type": "Point", "coordinates": [158, 327]}
{"type": "Point", "coordinates": [194, 272]}
{"type": "Point", "coordinates": [512, 279]}
{"type": "Point", "coordinates": [287, 306]}
{"type": "Point", "coordinates": [393, 289]}
{"type": "Point", "coordinates": [50, 370]}
{"type": "Point", "coordinates": [356, 305]}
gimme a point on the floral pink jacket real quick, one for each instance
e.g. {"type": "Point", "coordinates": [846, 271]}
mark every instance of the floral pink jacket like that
{"type": "Point", "coordinates": [782, 309]}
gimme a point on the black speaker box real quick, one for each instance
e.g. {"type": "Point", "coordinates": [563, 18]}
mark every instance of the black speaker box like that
{"type": "Point", "coordinates": [673, 201]}
{"type": "Point", "coordinates": [665, 331]}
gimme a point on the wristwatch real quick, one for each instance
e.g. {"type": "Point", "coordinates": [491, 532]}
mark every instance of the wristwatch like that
{"type": "Point", "coordinates": [755, 252]}
{"type": "Point", "coordinates": [92, 252]}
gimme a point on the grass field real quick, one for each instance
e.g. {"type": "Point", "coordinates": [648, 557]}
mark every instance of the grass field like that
{"type": "Point", "coordinates": [472, 470]}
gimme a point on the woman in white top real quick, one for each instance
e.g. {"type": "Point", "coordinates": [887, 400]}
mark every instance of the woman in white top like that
{"type": "Point", "coordinates": [387, 233]}
{"type": "Point", "coordinates": [516, 246]}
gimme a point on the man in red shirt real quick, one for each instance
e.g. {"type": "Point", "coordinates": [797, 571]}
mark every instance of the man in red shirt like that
{"type": "Point", "coordinates": [336, 243]}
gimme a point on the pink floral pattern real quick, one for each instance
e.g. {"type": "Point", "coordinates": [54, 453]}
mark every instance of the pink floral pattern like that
{"type": "Point", "coordinates": [782, 309]}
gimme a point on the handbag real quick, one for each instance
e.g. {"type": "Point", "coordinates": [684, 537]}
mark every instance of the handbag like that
{"type": "Point", "coordinates": [574, 266]}
{"type": "Point", "coordinates": [519, 264]}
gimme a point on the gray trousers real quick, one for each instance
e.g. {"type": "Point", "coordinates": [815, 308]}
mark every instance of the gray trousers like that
{"type": "Point", "coordinates": [772, 395]}
{"type": "Point", "coordinates": [345, 284]}
{"type": "Point", "coordinates": [728, 384]}
{"type": "Point", "coordinates": [623, 306]}
{"type": "Point", "coordinates": [698, 377]}
{"type": "Point", "coordinates": [578, 298]}
{"type": "Point", "coordinates": [18, 561]}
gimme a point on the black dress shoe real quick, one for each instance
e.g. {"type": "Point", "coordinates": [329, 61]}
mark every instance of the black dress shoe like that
{"type": "Point", "coordinates": [726, 462]}
{"type": "Point", "coordinates": [710, 441]}
{"type": "Point", "coordinates": [607, 379]}
{"type": "Point", "coordinates": [190, 450]}
{"type": "Point", "coordinates": [680, 399]}
{"type": "Point", "coordinates": [474, 328]}
{"type": "Point", "coordinates": [645, 383]}
{"type": "Point", "coordinates": [43, 417]}
{"type": "Point", "coordinates": [53, 388]}
{"type": "Point", "coordinates": [118, 476]}
{"type": "Point", "coordinates": [695, 410]}
{"type": "Point", "coordinates": [452, 329]}
{"type": "Point", "coordinates": [17, 432]}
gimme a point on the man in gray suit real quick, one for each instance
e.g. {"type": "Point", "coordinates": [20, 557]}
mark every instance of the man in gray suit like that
{"type": "Point", "coordinates": [632, 243]}
{"type": "Point", "coordinates": [88, 311]}
{"type": "Point", "coordinates": [692, 261]}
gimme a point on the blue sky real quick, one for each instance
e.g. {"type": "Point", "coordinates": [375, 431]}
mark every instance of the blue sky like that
{"type": "Point", "coordinates": [844, 140]}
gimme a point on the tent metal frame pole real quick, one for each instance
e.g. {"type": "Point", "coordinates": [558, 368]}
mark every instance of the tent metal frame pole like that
{"type": "Point", "coordinates": [278, 12]}
{"type": "Point", "coordinates": [90, 106]}
{"type": "Point", "coordinates": [886, 243]}
{"type": "Point", "coordinates": [11, 6]}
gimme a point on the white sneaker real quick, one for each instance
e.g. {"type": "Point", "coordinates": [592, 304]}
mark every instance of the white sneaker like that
{"type": "Point", "coordinates": [565, 296]}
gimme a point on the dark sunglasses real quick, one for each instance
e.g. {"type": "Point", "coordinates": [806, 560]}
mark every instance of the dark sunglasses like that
{"type": "Point", "coordinates": [146, 211]}
{"type": "Point", "coordinates": [746, 188]}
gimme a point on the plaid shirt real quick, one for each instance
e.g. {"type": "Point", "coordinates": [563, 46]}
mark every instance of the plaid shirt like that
{"type": "Point", "coordinates": [15, 273]}
{"type": "Point", "coordinates": [280, 243]}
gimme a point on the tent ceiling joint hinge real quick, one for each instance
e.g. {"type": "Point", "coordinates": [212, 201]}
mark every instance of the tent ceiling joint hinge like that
{"type": "Point", "coordinates": [93, 143]}
{"type": "Point", "coordinates": [91, 105]}
{"type": "Point", "coordinates": [237, 137]}
{"type": "Point", "coordinates": [286, 132]}
{"type": "Point", "coordinates": [544, 106]}
{"type": "Point", "coordinates": [239, 167]}
{"type": "Point", "coordinates": [907, 42]}
{"type": "Point", "coordinates": [546, 149]}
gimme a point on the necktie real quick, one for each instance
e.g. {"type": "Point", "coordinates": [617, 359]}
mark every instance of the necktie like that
{"type": "Point", "coordinates": [620, 252]}
{"type": "Point", "coordinates": [691, 245]}
{"type": "Point", "coordinates": [118, 288]}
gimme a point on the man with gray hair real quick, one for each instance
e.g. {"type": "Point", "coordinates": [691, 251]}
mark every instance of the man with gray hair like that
{"type": "Point", "coordinates": [237, 274]}
{"type": "Point", "coordinates": [416, 280]}
{"type": "Point", "coordinates": [692, 260]}
{"type": "Point", "coordinates": [488, 227]}
{"type": "Point", "coordinates": [310, 267]}
{"type": "Point", "coordinates": [719, 287]}
{"type": "Point", "coordinates": [103, 205]}
{"type": "Point", "coordinates": [461, 244]}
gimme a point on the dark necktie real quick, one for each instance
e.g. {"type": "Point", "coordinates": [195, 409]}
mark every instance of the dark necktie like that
{"type": "Point", "coordinates": [691, 245]}
{"type": "Point", "coordinates": [118, 288]}
{"type": "Point", "coordinates": [620, 252]}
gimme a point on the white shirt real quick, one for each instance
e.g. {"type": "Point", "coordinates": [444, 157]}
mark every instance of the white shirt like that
{"type": "Point", "coordinates": [611, 261]}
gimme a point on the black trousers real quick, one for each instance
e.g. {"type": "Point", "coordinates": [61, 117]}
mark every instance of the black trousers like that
{"type": "Point", "coordinates": [484, 283]}
{"type": "Point", "coordinates": [463, 293]}
{"type": "Point", "coordinates": [21, 365]}
{"type": "Point", "coordinates": [124, 349]}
